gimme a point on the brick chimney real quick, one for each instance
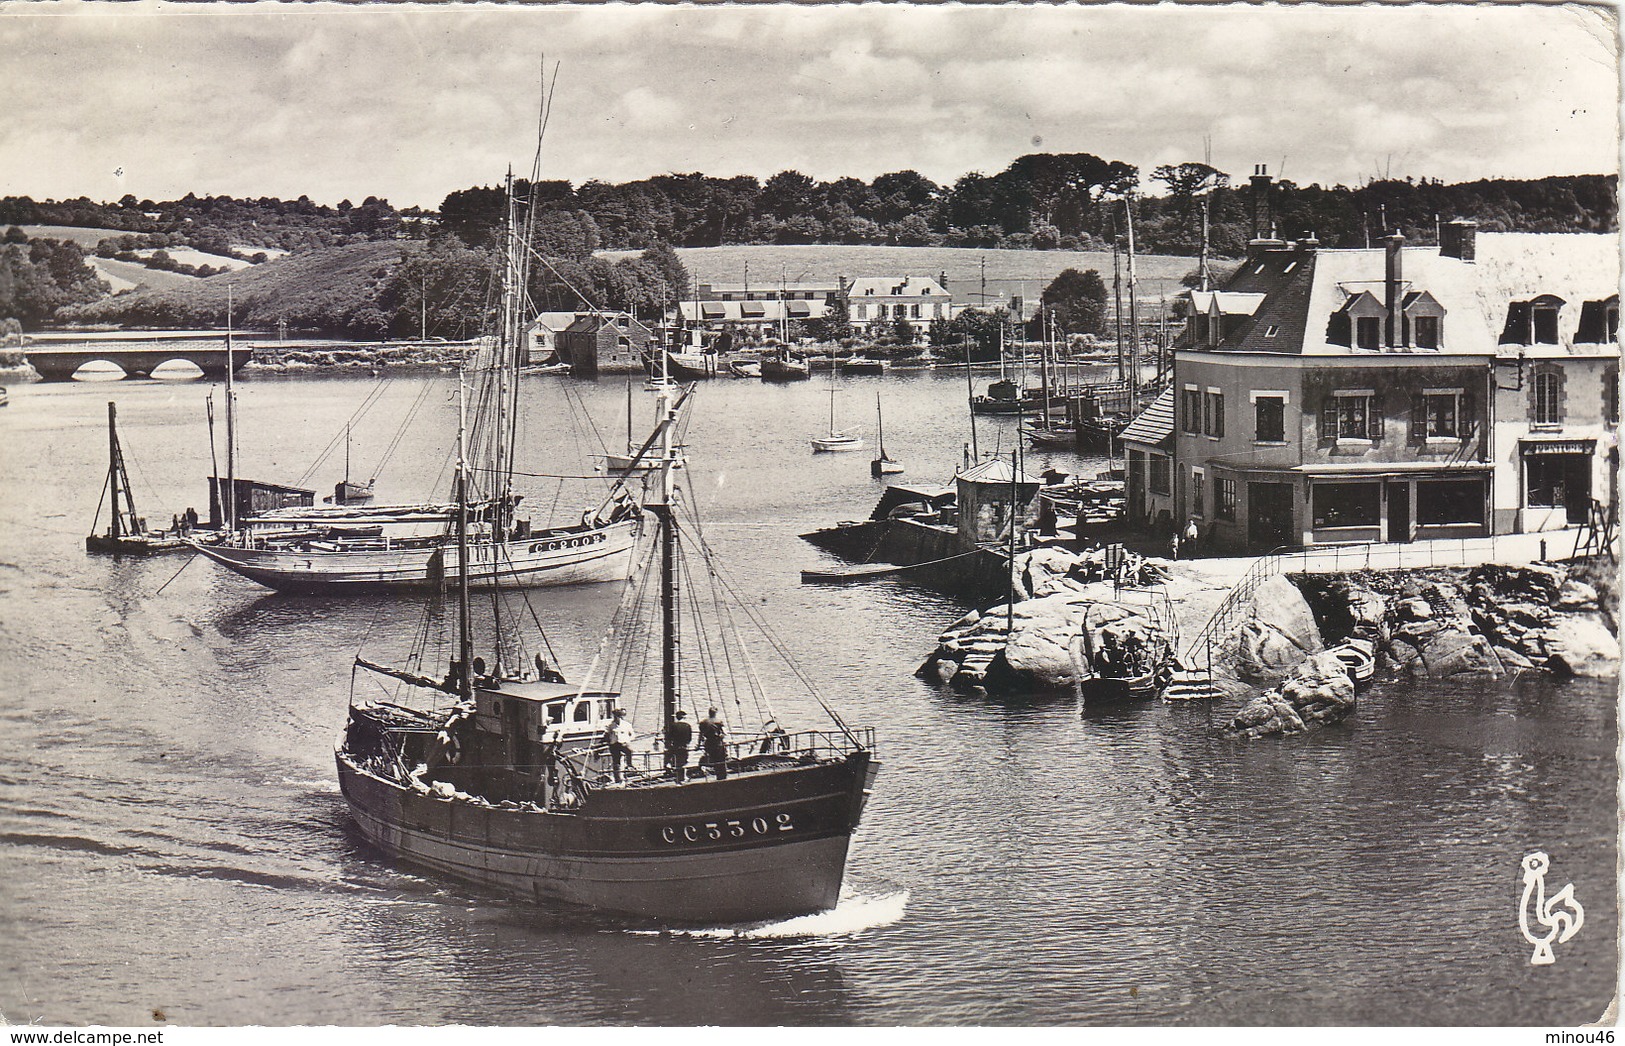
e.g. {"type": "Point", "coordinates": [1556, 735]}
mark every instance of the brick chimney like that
{"type": "Point", "coordinates": [1262, 221]}
{"type": "Point", "coordinates": [1395, 273]}
{"type": "Point", "coordinates": [1459, 239]}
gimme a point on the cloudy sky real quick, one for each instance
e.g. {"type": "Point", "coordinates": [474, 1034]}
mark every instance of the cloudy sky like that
{"type": "Point", "coordinates": [410, 103]}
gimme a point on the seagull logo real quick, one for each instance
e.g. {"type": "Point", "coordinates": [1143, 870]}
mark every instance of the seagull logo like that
{"type": "Point", "coordinates": [1560, 914]}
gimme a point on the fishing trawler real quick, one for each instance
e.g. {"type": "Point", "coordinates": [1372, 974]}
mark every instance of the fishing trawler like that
{"type": "Point", "coordinates": [358, 548]}
{"type": "Point", "coordinates": [501, 780]}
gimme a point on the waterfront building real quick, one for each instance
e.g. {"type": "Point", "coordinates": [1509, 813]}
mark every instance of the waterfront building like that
{"type": "Point", "coordinates": [824, 292]}
{"type": "Point", "coordinates": [749, 316]}
{"type": "Point", "coordinates": [542, 339]}
{"type": "Point", "coordinates": [1392, 393]}
{"type": "Point", "coordinates": [987, 496]}
{"type": "Point", "coordinates": [605, 343]}
{"type": "Point", "coordinates": [917, 299]}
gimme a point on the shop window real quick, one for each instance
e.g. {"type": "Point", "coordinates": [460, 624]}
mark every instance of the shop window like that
{"type": "Point", "coordinates": [1451, 501]}
{"type": "Point", "coordinates": [1161, 480]}
{"type": "Point", "coordinates": [1269, 419]}
{"type": "Point", "coordinates": [1347, 505]}
{"type": "Point", "coordinates": [1213, 413]}
{"type": "Point", "coordinates": [1224, 498]}
{"type": "Point", "coordinates": [1548, 480]}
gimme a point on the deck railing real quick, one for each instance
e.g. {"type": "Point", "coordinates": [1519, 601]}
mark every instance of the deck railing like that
{"type": "Point", "coordinates": [814, 744]}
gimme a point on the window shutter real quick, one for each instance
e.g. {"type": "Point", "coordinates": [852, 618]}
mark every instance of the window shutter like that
{"type": "Point", "coordinates": [1467, 423]}
{"type": "Point", "coordinates": [1328, 419]}
{"type": "Point", "coordinates": [1419, 418]}
{"type": "Point", "coordinates": [1218, 415]}
{"type": "Point", "coordinates": [1373, 419]}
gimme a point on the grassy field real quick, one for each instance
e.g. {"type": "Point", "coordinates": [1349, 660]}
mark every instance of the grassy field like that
{"type": "Point", "coordinates": [1008, 272]}
{"type": "Point", "coordinates": [123, 276]}
{"type": "Point", "coordinates": [86, 238]}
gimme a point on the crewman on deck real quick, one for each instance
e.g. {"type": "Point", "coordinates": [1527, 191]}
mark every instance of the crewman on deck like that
{"type": "Point", "coordinates": [714, 742]}
{"type": "Point", "coordinates": [679, 736]}
{"type": "Point", "coordinates": [619, 736]}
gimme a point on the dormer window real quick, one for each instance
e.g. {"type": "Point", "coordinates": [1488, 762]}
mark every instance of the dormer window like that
{"type": "Point", "coordinates": [1425, 331]}
{"type": "Point", "coordinates": [1545, 324]}
{"type": "Point", "coordinates": [1533, 322]}
{"type": "Point", "coordinates": [1599, 322]}
{"type": "Point", "coordinates": [1367, 332]}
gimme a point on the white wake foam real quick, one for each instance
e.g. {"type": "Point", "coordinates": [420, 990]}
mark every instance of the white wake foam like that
{"type": "Point", "coordinates": [854, 914]}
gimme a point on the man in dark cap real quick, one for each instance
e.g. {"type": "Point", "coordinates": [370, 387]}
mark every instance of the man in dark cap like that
{"type": "Point", "coordinates": [679, 735]}
{"type": "Point", "coordinates": [714, 741]}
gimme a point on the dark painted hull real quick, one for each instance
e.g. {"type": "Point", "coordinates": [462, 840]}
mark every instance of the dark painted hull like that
{"type": "Point", "coordinates": [758, 846]}
{"type": "Point", "coordinates": [135, 545]}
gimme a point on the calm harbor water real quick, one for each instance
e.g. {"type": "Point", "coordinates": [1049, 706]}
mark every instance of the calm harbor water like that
{"type": "Point", "coordinates": [173, 838]}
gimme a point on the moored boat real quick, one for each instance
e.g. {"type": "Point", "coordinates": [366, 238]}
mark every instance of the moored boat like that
{"type": "Point", "coordinates": [127, 532]}
{"type": "Point", "coordinates": [317, 550]}
{"type": "Point", "coordinates": [861, 365]}
{"type": "Point", "coordinates": [784, 367]}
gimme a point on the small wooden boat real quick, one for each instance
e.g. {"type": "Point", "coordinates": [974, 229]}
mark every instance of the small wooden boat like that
{"type": "Point", "coordinates": [127, 533]}
{"type": "Point", "coordinates": [784, 367]}
{"type": "Point", "coordinates": [1052, 435]}
{"type": "Point", "coordinates": [691, 366]}
{"type": "Point", "coordinates": [346, 491]}
{"type": "Point", "coordinates": [745, 368]}
{"type": "Point", "coordinates": [1137, 666]}
{"type": "Point", "coordinates": [4, 399]}
{"type": "Point", "coordinates": [1360, 657]}
{"type": "Point", "coordinates": [862, 365]}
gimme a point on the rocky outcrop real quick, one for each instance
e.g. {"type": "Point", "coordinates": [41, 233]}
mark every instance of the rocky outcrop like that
{"type": "Point", "coordinates": [1317, 692]}
{"type": "Point", "coordinates": [1279, 635]}
{"type": "Point", "coordinates": [1046, 646]}
{"type": "Point", "coordinates": [1486, 620]}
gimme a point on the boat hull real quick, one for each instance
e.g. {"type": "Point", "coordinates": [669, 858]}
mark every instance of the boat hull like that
{"type": "Point", "coordinates": [588, 557]}
{"type": "Point", "coordinates": [835, 444]}
{"type": "Point", "coordinates": [780, 848]}
{"type": "Point", "coordinates": [135, 545]}
{"type": "Point", "coordinates": [778, 370]}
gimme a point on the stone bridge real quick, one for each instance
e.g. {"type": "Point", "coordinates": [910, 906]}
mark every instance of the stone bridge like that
{"type": "Point", "coordinates": [57, 359]}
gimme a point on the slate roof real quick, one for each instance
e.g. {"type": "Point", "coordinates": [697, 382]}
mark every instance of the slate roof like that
{"type": "Point", "coordinates": [1154, 427]}
{"type": "Point", "coordinates": [1302, 288]}
{"type": "Point", "coordinates": [995, 471]}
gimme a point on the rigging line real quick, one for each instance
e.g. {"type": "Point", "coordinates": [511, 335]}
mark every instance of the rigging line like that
{"type": "Point", "coordinates": [616, 620]}
{"type": "Point", "coordinates": [175, 575]}
{"type": "Point", "coordinates": [757, 691]}
{"type": "Point", "coordinates": [767, 633]}
{"type": "Point", "coordinates": [395, 439]}
{"type": "Point", "coordinates": [706, 554]}
{"type": "Point", "coordinates": [366, 404]}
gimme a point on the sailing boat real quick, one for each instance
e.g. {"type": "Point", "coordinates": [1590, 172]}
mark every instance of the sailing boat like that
{"type": "Point", "coordinates": [127, 532]}
{"type": "Point", "coordinates": [503, 782]}
{"type": "Point", "coordinates": [346, 491]}
{"type": "Point", "coordinates": [883, 465]}
{"type": "Point", "coordinates": [315, 549]}
{"type": "Point", "coordinates": [630, 463]}
{"type": "Point", "coordinates": [834, 441]}
{"type": "Point", "coordinates": [1046, 433]}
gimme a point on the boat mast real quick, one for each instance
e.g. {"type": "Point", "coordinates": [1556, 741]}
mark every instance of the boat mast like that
{"type": "Point", "coordinates": [1133, 309]}
{"type": "Point", "coordinates": [1117, 294]}
{"type": "Point", "coordinates": [880, 427]}
{"type": "Point", "coordinates": [231, 426]}
{"type": "Point", "coordinates": [465, 638]}
{"type": "Point", "coordinates": [970, 393]}
{"type": "Point", "coordinates": [666, 514]}
{"type": "Point", "coordinates": [118, 477]}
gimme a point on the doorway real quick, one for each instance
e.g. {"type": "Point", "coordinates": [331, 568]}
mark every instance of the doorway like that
{"type": "Point", "coordinates": [1399, 510]}
{"type": "Point", "coordinates": [1269, 516]}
